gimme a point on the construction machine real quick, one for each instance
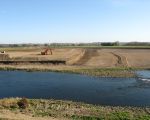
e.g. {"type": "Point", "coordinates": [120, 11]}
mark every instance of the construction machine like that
{"type": "Point", "coordinates": [3, 52]}
{"type": "Point", "coordinates": [47, 51]}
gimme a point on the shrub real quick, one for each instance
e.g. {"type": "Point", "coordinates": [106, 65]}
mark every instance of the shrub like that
{"type": "Point", "coordinates": [23, 103]}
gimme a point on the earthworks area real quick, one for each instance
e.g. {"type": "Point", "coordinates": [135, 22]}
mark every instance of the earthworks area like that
{"type": "Point", "coordinates": [90, 57]}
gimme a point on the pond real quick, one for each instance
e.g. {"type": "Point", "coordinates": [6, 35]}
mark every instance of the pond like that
{"type": "Point", "coordinates": [81, 88]}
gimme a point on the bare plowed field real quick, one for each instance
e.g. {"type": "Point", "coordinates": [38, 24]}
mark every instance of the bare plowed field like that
{"type": "Point", "coordinates": [87, 57]}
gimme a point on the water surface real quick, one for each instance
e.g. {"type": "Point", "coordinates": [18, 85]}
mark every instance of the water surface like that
{"type": "Point", "coordinates": [94, 90]}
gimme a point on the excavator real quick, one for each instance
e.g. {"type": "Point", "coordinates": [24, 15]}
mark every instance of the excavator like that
{"type": "Point", "coordinates": [47, 51]}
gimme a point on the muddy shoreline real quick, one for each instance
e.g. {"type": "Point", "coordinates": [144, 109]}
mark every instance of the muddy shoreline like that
{"type": "Point", "coordinates": [91, 71]}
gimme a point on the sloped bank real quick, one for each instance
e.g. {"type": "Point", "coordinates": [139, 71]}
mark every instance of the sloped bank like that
{"type": "Point", "coordinates": [91, 71]}
{"type": "Point", "coordinates": [53, 62]}
{"type": "Point", "coordinates": [71, 110]}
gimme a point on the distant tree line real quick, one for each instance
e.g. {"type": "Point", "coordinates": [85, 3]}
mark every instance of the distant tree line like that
{"type": "Point", "coordinates": [87, 44]}
{"type": "Point", "coordinates": [137, 44]}
{"type": "Point", "coordinates": [110, 43]}
{"type": "Point", "coordinates": [117, 43]}
{"type": "Point", "coordinates": [74, 44]}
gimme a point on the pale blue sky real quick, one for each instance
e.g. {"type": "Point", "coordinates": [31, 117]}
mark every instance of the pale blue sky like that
{"type": "Point", "coordinates": [43, 21]}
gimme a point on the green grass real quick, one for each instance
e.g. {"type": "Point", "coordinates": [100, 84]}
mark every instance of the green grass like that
{"type": "Point", "coordinates": [121, 116]}
{"type": "Point", "coordinates": [75, 117]}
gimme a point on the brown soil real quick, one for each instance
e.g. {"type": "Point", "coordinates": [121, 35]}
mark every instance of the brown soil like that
{"type": "Point", "coordinates": [86, 57]}
{"type": "Point", "coordinates": [4, 57]}
{"type": "Point", "coordinates": [9, 115]}
{"type": "Point", "coordinates": [121, 60]}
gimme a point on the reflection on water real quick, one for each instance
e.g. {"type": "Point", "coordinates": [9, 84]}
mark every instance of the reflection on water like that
{"type": "Point", "coordinates": [143, 79]}
{"type": "Point", "coordinates": [144, 74]}
{"type": "Point", "coordinates": [95, 90]}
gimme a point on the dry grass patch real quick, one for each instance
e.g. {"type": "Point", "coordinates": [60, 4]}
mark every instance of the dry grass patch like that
{"type": "Point", "coordinates": [73, 110]}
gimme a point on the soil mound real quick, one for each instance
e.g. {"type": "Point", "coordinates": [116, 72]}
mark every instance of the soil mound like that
{"type": "Point", "coordinates": [87, 55]}
{"type": "Point", "coordinates": [4, 57]}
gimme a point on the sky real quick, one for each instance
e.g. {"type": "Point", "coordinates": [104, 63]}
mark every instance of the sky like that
{"type": "Point", "coordinates": [60, 21]}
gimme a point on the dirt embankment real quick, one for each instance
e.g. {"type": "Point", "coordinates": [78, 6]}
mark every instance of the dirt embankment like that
{"type": "Point", "coordinates": [86, 56]}
{"type": "Point", "coordinates": [97, 57]}
{"type": "Point", "coordinates": [74, 56]}
{"type": "Point", "coordinates": [4, 57]}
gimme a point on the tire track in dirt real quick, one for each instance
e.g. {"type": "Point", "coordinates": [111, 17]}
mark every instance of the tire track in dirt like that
{"type": "Point", "coordinates": [88, 54]}
{"type": "Point", "coordinates": [121, 60]}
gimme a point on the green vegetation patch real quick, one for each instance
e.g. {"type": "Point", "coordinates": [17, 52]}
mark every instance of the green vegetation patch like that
{"type": "Point", "coordinates": [75, 117]}
{"type": "Point", "coordinates": [105, 72]}
{"type": "Point", "coordinates": [101, 72]}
